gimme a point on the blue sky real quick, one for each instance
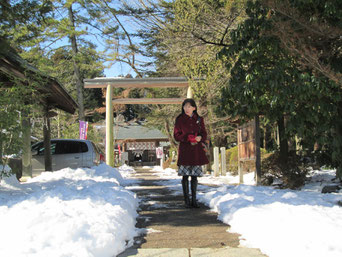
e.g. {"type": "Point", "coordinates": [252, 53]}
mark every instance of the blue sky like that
{"type": "Point", "coordinates": [113, 69]}
{"type": "Point", "coordinates": [119, 69]}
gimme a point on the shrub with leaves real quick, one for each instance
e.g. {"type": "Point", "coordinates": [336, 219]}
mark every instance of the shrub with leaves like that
{"type": "Point", "coordinates": [292, 173]}
{"type": "Point", "coordinates": [232, 160]}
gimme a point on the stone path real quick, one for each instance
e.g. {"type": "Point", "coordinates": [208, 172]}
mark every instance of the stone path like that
{"type": "Point", "coordinates": [173, 230]}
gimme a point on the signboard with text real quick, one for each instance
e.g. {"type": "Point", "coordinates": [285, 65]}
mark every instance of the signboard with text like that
{"type": "Point", "coordinates": [246, 141]}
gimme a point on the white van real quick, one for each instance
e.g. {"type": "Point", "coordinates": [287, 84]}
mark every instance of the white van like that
{"type": "Point", "coordinates": [73, 153]}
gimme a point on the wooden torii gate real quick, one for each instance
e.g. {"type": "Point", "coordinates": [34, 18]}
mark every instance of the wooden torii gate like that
{"type": "Point", "coordinates": [110, 83]}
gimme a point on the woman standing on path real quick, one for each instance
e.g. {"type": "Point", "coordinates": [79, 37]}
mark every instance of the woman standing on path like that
{"type": "Point", "coordinates": [190, 132]}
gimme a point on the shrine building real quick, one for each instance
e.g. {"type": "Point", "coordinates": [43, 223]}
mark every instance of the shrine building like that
{"type": "Point", "coordinates": [137, 143]}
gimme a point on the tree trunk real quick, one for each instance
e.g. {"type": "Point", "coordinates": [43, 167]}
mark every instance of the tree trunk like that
{"type": "Point", "coordinates": [283, 145]}
{"type": "Point", "coordinates": [298, 146]}
{"type": "Point", "coordinates": [27, 156]}
{"type": "Point", "coordinates": [277, 136]}
{"type": "Point", "coordinates": [267, 137]}
{"type": "Point", "coordinates": [77, 73]}
{"type": "Point", "coordinates": [169, 133]}
{"type": "Point", "coordinates": [59, 133]}
{"type": "Point", "coordinates": [257, 151]}
{"type": "Point", "coordinates": [1, 161]}
{"type": "Point", "coordinates": [338, 144]}
{"type": "Point", "coordinates": [209, 129]}
{"type": "Point", "coordinates": [263, 138]}
{"type": "Point", "coordinates": [47, 142]}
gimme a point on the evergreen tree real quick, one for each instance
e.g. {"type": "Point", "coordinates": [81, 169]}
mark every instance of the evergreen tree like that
{"type": "Point", "coordinates": [267, 80]}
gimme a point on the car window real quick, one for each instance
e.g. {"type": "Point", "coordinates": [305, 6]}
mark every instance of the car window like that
{"type": "Point", "coordinates": [68, 147]}
{"type": "Point", "coordinates": [84, 147]}
{"type": "Point", "coordinates": [39, 148]}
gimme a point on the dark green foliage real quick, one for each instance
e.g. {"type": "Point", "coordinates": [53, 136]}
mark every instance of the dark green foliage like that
{"type": "Point", "coordinates": [21, 20]}
{"type": "Point", "coordinates": [292, 173]}
{"type": "Point", "coordinates": [266, 80]}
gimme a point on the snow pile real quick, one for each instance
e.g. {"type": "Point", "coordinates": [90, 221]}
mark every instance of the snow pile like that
{"type": "Point", "coordinates": [166, 173]}
{"type": "Point", "coordinates": [82, 212]}
{"type": "Point", "coordinates": [248, 179]}
{"type": "Point", "coordinates": [127, 172]}
{"type": "Point", "coordinates": [281, 222]}
{"type": "Point", "coordinates": [317, 179]}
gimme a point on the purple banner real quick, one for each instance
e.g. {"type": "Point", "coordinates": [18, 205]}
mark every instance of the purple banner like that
{"type": "Point", "coordinates": [83, 129]}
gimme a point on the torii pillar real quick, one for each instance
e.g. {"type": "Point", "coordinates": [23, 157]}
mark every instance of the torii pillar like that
{"type": "Point", "coordinates": [109, 127]}
{"type": "Point", "coordinates": [189, 93]}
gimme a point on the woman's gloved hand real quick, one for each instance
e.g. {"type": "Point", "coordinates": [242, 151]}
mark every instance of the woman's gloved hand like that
{"type": "Point", "coordinates": [192, 138]}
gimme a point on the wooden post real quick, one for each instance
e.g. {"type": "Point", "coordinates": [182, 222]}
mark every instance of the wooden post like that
{"type": "Point", "coordinates": [162, 161]}
{"type": "Point", "coordinates": [1, 154]}
{"type": "Point", "coordinates": [216, 161]}
{"type": "Point", "coordinates": [298, 146]}
{"type": "Point", "coordinates": [277, 136]}
{"type": "Point", "coordinates": [223, 161]}
{"type": "Point", "coordinates": [59, 134]}
{"type": "Point", "coordinates": [239, 156]}
{"type": "Point", "coordinates": [189, 93]}
{"type": "Point", "coordinates": [27, 156]}
{"type": "Point", "coordinates": [257, 151]}
{"type": "Point", "coordinates": [109, 127]}
{"type": "Point", "coordinates": [47, 141]}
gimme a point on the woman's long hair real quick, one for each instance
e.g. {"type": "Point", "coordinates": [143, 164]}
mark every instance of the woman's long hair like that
{"type": "Point", "coordinates": [192, 103]}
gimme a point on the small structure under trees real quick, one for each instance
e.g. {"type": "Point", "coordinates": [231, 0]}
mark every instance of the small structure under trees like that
{"type": "Point", "coordinates": [49, 93]}
{"type": "Point", "coordinates": [140, 142]}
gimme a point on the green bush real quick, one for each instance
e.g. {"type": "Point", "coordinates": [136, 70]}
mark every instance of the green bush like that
{"type": "Point", "coordinates": [232, 160]}
{"type": "Point", "coordinates": [292, 173]}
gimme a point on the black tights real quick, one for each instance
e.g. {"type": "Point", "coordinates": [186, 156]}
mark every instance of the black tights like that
{"type": "Point", "coordinates": [193, 178]}
{"type": "Point", "coordinates": [193, 183]}
{"type": "Point", "coordinates": [185, 184]}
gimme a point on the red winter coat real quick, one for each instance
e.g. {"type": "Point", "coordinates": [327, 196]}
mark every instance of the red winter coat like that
{"type": "Point", "coordinates": [185, 129]}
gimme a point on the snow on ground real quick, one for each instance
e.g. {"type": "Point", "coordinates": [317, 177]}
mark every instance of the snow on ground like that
{"type": "Point", "coordinates": [278, 222]}
{"type": "Point", "coordinates": [82, 212]}
{"type": "Point", "coordinates": [91, 212]}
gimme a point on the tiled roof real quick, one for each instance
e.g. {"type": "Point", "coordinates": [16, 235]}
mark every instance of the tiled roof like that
{"type": "Point", "coordinates": [137, 131]}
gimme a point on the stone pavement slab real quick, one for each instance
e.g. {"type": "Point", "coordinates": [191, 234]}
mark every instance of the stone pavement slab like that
{"type": "Point", "coordinates": [156, 252]}
{"type": "Point", "coordinates": [225, 252]}
{"type": "Point", "coordinates": [193, 252]}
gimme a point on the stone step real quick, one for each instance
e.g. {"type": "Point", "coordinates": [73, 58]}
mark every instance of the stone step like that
{"type": "Point", "coordinates": [193, 252]}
